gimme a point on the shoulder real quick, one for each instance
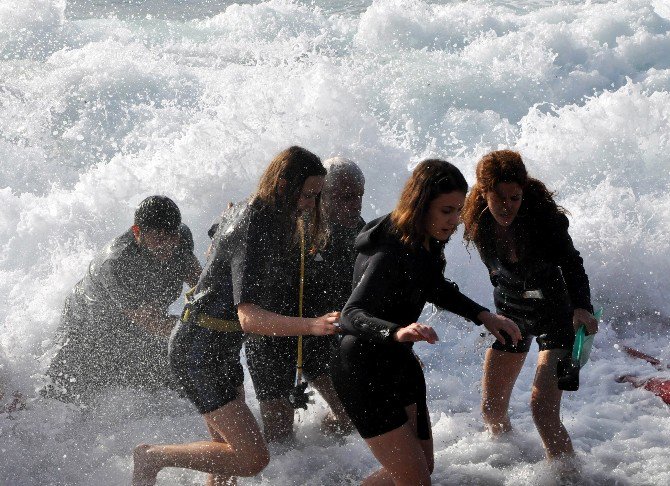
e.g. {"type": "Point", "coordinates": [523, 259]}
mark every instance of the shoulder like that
{"type": "Point", "coordinates": [116, 256]}
{"type": "Point", "coordinates": [386, 259]}
{"type": "Point", "coordinates": [120, 248]}
{"type": "Point", "coordinates": [551, 221]}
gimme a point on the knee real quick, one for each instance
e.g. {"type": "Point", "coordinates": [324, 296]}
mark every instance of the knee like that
{"type": "Point", "coordinates": [430, 462]}
{"type": "Point", "coordinates": [255, 463]}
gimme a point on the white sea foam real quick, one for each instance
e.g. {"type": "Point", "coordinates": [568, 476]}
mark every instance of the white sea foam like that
{"type": "Point", "coordinates": [103, 105]}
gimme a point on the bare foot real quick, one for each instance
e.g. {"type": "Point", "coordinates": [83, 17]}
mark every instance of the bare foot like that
{"type": "Point", "coordinates": [568, 469]}
{"type": "Point", "coordinates": [335, 427]}
{"type": "Point", "coordinates": [144, 469]}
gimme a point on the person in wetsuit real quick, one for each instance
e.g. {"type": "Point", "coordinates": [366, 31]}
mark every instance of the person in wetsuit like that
{"type": "Point", "coordinates": [400, 266]}
{"type": "Point", "coordinates": [539, 282]}
{"type": "Point", "coordinates": [249, 285]}
{"type": "Point", "coordinates": [115, 324]}
{"type": "Point", "coordinates": [328, 276]}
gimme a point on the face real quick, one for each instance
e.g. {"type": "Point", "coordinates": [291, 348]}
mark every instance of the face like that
{"type": "Point", "coordinates": [504, 202]}
{"type": "Point", "coordinates": [444, 214]}
{"type": "Point", "coordinates": [343, 201]}
{"type": "Point", "coordinates": [162, 244]}
{"type": "Point", "coordinates": [310, 190]}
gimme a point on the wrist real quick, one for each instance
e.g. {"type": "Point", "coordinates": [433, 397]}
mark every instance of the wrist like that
{"type": "Point", "coordinates": [309, 325]}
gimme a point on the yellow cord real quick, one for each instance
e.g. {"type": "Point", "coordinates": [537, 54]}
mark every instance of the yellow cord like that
{"type": "Point", "coordinates": [301, 229]}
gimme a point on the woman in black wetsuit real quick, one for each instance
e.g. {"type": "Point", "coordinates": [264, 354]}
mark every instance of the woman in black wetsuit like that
{"type": "Point", "coordinates": [540, 283]}
{"type": "Point", "coordinates": [250, 279]}
{"type": "Point", "coordinates": [399, 268]}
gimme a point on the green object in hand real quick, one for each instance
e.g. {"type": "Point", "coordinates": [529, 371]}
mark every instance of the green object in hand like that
{"type": "Point", "coordinates": [583, 342]}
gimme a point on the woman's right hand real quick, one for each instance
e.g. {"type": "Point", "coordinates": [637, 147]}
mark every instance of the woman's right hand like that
{"type": "Point", "coordinates": [496, 323]}
{"type": "Point", "coordinates": [416, 332]}
{"type": "Point", "coordinates": [324, 325]}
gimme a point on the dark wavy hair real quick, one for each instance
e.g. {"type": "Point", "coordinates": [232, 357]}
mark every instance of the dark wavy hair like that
{"type": "Point", "coordinates": [430, 179]}
{"type": "Point", "coordinates": [537, 201]}
{"type": "Point", "coordinates": [290, 168]}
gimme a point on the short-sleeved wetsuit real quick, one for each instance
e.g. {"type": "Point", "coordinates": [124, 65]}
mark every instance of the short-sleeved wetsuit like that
{"type": "Point", "coordinates": [248, 264]}
{"type": "Point", "coordinates": [375, 376]}
{"type": "Point", "coordinates": [100, 346]}
{"type": "Point", "coordinates": [328, 276]}
{"type": "Point", "coordinates": [542, 289]}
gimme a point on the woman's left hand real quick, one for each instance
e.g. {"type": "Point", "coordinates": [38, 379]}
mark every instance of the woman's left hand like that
{"type": "Point", "coordinates": [582, 316]}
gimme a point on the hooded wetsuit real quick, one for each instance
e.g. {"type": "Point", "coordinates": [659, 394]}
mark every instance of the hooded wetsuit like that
{"type": "Point", "coordinates": [542, 289]}
{"type": "Point", "coordinates": [375, 376]}
{"type": "Point", "coordinates": [100, 346]}
{"type": "Point", "coordinates": [249, 263]}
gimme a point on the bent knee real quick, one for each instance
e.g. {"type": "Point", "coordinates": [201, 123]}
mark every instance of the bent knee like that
{"type": "Point", "coordinates": [257, 462]}
{"type": "Point", "coordinates": [430, 462]}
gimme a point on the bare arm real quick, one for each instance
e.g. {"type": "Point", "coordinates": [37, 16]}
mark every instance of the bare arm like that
{"type": "Point", "coordinates": [256, 320]}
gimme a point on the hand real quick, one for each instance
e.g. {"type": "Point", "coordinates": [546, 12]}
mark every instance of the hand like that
{"type": "Point", "coordinates": [495, 324]}
{"type": "Point", "coordinates": [152, 319]}
{"type": "Point", "coordinates": [324, 325]}
{"type": "Point", "coordinates": [582, 316]}
{"type": "Point", "coordinates": [416, 332]}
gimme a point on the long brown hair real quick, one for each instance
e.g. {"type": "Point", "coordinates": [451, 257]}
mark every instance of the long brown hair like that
{"type": "Point", "coordinates": [281, 184]}
{"type": "Point", "coordinates": [494, 168]}
{"type": "Point", "coordinates": [430, 179]}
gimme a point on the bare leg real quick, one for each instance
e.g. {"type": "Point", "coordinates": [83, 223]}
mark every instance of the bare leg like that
{"type": "Point", "coordinates": [546, 406]}
{"type": "Point", "coordinates": [244, 452]}
{"type": "Point", "coordinates": [501, 369]}
{"type": "Point", "coordinates": [277, 416]}
{"type": "Point", "coordinates": [337, 421]}
{"type": "Point", "coordinates": [217, 479]}
{"type": "Point", "coordinates": [214, 479]}
{"type": "Point", "coordinates": [405, 459]}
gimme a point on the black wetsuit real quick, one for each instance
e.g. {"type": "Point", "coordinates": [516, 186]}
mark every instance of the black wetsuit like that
{"type": "Point", "coordinates": [249, 263]}
{"type": "Point", "coordinates": [542, 289]}
{"type": "Point", "coordinates": [328, 274]}
{"type": "Point", "coordinates": [100, 346]}
{"type": "Point", "coordinates": [328, 279]}
{"type": "Point", "coordinates": [375, 376]}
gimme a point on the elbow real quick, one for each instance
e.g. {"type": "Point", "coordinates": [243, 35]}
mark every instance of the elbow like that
{"type": "Point", "coordinates": [347, 319]}
{"type": "Point", "coordinates": [247, 318]}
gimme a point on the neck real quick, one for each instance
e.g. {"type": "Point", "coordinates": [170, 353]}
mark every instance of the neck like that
{"type": "Point", "coordinates": [502, 230]}
{"type": "Point", "coordinates": [426, 242]}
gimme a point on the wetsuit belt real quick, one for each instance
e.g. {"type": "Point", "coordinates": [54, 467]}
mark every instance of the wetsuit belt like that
{"type": "Point", "coordinates": [213, 323]}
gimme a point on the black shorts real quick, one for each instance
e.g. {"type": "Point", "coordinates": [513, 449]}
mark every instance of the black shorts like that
{"type": "Point", "coordinates": [206, 364]}
{"type": "Point", "coordinates": [375, 382]}
{"type": "Point", "coordinates": [552, 331]}
{"type": "Point", "coordinates": [272, 362]}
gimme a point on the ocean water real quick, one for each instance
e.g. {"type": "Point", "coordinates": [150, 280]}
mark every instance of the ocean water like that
{"type": "Point", "coordinates": [105, 102]}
